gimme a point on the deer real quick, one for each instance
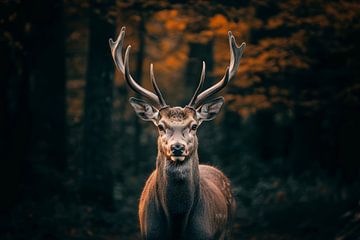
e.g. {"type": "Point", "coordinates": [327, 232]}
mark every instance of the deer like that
{"type": "Point", "coordinates": [182, 199]}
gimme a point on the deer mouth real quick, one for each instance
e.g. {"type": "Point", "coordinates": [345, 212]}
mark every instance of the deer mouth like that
{"type": "Point", "coordinates": [175, 158]}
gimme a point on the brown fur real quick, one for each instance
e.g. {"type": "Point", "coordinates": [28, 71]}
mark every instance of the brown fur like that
{"type": "Point", "coordinates": [215, 194]}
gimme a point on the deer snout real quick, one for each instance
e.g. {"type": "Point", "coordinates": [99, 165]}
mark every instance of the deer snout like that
{"type": "Point", "coordinates": [177, 149]}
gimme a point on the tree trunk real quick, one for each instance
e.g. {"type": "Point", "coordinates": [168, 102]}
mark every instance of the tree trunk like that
{"type": "Point", "coordinates": [14, 125]}
{"type": "Point", "coordinates": [199, 52]}
{"type": "Point", "coordinates": [97, 181]}
{"type": "Point", "coordinates": [138, 76]}
{"type": "Point", "coordinates": [48, 101]}
{"type": "Point", "coordinates": [33, 100]}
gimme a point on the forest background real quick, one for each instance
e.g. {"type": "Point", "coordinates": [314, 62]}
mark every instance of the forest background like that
{"type": "Point", "coordinates": [74, 157]}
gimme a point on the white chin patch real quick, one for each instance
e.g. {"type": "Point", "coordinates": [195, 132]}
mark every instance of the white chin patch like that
{"type": "Point", "coordinates": [178, 158]}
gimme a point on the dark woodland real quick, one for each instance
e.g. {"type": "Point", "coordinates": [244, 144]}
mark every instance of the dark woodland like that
{"type": "Point", "coordinates": [74, 156]}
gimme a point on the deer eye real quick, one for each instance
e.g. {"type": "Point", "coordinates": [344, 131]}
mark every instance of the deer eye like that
{"type": "Point", "coordinates": [194, 127]}
{"type": "Point", "coordinates": [161, 128]}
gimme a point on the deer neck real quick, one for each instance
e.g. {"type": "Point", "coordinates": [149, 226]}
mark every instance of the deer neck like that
{"type": "Point", "coordinates": [177, 187]}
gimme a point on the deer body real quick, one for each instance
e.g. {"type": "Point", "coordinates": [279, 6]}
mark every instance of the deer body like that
{"type": "Point", "coordinates": [182, 199]}
{"type": "Point", "coordinates": [197, 207]}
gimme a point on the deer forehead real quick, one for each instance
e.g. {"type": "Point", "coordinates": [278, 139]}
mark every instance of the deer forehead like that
{"type": "Point", "coordinates": [177, 116]}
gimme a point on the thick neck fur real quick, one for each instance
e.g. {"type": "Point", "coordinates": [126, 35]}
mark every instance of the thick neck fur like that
{"type": "Point", "coordinates": [177, 186]}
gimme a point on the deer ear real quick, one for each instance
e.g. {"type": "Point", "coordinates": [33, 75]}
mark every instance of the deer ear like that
{"type": "Point", "coordinates": [209, 110]}
{"type": "Point", "coordinates": [144, 110]}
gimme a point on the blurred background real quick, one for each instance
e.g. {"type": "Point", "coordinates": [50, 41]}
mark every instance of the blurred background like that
{"type": "Point", "coordinates": [74, 157]}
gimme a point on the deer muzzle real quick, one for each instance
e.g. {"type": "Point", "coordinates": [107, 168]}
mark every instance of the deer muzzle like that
{"type": "Point", "coordinates": [178, 152]}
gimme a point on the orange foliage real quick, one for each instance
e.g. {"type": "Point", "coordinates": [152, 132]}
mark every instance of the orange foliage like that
{"type": "Point", "coordinates": [266, 61]}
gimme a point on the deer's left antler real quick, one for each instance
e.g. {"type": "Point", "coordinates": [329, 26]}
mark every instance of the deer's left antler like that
{"type": "Point", "coordinates": [235, 56]}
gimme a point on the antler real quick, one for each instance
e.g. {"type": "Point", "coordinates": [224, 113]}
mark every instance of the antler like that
{"type": "Point", "coordinates": [235, 56]}
{"type": "Point", "coordinates": [202, 78]}
{"type": "Point", "coordinates": [116, 52]}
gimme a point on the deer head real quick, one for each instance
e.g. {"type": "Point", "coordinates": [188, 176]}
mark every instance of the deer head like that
{"type": "Point", "coordinates": [177, 126]}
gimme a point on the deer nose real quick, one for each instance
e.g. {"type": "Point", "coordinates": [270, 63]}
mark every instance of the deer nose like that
{"type": "Point", "coordinates": [177, 149]}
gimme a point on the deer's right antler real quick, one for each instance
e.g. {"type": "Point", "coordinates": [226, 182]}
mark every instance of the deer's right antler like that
{"type": "Point", "coordinates": [116, 52]}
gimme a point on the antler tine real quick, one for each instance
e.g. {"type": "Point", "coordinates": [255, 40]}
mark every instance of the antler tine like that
{"type": "Point", "coordinates": [235, 56]}
{"type": "Point", "coordinates": [116, 50]}
{"type": "Point", "coordinates": [155, 86]}
{"type": "Point", "coordinates": [134, 85]}
{"type": "Point", "coordinates": [201, 83]}
{"type": "Point", "coordinates": [123, 66]}
{"type": "Point", "coordinates": [214, 89]}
